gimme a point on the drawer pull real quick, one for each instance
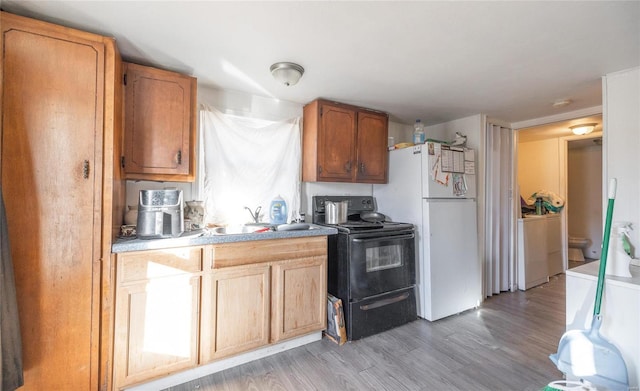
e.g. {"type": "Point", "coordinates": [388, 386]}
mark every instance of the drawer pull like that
{"type": "Point", "coordinates": [382, 303]}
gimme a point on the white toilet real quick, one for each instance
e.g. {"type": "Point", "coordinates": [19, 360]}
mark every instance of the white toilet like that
{"type": "Point", "coordinates": [577, 245]}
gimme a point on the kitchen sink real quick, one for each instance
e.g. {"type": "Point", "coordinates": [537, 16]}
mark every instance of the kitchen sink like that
{"type": "Point", "coordinates": [241, 229]}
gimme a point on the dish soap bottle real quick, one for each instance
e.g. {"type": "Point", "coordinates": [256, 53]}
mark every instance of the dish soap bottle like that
{"type": "Point", "coordinates": [418, 134]}
{"type": "Point", "coordinates": [278, 211]}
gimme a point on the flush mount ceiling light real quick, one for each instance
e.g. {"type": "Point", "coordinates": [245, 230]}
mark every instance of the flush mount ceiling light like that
{"type": "Point", "coordinates": [582, 129]}
{"type": "Point", "coordinates": [561, 102]}
{"type": "Point", "coordinates": [287, 73]}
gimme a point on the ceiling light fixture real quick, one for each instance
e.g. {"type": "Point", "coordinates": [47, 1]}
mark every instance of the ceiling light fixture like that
{"type": "Point", "coordinates": [582, 129]}
{"type": "Point", "coordinates": [561, 102]}
{"type": "Point", "coordinates": [287, 73]}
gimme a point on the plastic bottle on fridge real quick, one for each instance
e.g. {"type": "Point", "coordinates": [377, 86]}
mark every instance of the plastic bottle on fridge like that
{"type": "Point", "coordinates": [418, 134]}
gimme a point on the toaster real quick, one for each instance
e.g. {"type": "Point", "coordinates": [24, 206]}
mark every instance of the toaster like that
{"type": "Point", "coordinates": [160, 214]}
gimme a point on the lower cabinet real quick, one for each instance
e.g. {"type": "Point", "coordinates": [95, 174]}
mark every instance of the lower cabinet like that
{"type": "Point", "coordinates": [183, 307]}
{"type": "Point", "coordinates": [299, 297]}
{"type": "Point", "coordinates": [157, 313]}
{"type": "Point", "coordinates": [235, 311]}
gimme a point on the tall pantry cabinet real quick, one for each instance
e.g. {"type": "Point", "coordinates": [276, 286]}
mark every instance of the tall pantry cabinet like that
{"type": "Point", "coordinates": [60, 111]}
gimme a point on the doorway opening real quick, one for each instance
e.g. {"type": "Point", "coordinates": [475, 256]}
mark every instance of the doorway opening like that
{"type": "Point", "coordinates": [551, 159]}
{"type": "Point", "coordinates": [584, 199]}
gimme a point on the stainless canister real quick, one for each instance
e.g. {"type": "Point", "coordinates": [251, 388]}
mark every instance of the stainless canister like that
{"type": "Point", "coordinates": [336, 212]}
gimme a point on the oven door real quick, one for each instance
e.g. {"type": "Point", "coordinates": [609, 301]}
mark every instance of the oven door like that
{"type": "Point", "coordinates": [381, 262]}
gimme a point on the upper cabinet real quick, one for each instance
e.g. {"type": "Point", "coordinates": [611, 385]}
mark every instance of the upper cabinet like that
{"type": "Point", "coordinates": [343, 143]}
{"type": "Point", "coordinates": [160, 122]}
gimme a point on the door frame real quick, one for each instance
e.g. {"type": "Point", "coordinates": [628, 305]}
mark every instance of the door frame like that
{"type": "Point", "coordinates": [517, 126]}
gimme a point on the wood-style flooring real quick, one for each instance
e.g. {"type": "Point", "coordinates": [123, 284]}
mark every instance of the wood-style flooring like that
{"type": "Point", "coordinates": [502, 345]}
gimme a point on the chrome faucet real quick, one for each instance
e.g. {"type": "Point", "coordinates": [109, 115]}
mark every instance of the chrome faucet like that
{"type": "Point", "coordinates": [254, 215]}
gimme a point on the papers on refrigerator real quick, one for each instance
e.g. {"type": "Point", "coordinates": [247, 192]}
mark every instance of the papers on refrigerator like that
{"type": "Point", "coordinates": [435, 163]}
{"type": "Point", "coordinates": [445, 160]}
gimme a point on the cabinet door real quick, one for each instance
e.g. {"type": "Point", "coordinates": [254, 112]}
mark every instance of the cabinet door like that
{"type": "Point", "coordinates": [299, 297]}
{"type": "Point", "coordinates": [159, 141]}
{"type": "Point", "coordinates": [336, 143]}
{"type": "Point", "coordinates": [372, 152]}
{"type": "Point", "coordinates": [157, 313]}
{"type": "Point", "coordinates": [52, 126]}
{"type": "Point", "coordinates": [235, 311]}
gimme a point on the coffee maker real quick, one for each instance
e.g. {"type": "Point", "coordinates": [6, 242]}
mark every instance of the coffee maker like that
{"type": "Point", "coordinates": [160, 214]}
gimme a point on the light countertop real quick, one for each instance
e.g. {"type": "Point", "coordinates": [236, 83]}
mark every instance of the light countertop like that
{"type": "Point", "coordinates": [134, 244]}
{"type": "Point", "coordinates": [590, 271]}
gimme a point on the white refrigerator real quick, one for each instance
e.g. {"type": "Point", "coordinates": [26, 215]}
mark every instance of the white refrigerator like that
{"type": "Point", "coordinates": [433, 186]}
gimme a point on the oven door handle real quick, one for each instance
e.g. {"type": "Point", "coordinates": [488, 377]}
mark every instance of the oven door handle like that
{"type": "Point", "coordinates": [386, 237]}
{"type": "Point", "coordinates": [382, 303]}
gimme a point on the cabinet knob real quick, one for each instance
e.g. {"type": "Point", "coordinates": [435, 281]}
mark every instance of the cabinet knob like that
{"type": "Point", "coordinates": [347, 166]}
{"type": "Point", "coordinates": [362, 170]}
{"type": "Point", "coordinates": [179, 157]}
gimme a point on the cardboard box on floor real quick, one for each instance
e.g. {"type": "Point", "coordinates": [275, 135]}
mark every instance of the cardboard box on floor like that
{"type": "Point", "coordinates": [335, 321]}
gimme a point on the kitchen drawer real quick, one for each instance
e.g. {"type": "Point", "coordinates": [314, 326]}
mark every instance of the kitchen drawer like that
{"type": "Point", "coordinates": [260, 251]}
{"type": "Point", "coordinates": [144, 265]}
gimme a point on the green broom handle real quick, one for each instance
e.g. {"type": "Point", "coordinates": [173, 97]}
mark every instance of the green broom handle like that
{"type": "Point", "coordinates": [605, 247]}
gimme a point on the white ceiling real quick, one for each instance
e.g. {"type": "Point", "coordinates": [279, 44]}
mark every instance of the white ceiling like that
{"type": "Point", "coordinates": [436, 61]}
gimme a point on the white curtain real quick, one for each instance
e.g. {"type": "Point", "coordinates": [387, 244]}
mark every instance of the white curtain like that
{"type": "Point", "coordinates": [498, 271]}
{"type": "Point", "coordinates": [247, 163]}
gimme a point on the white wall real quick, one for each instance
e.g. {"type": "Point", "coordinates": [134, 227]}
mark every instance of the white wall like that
{"type": "Point", "coordinates": [538, 166]}
{"type": "Point", "coordinates": [584, 177]}
{"type": "Point", "coordinates": [401, 133]}
{"type": "Point", "coordinates": [621, 92]}
{"type": "Point", "coordinates": [472, 127]}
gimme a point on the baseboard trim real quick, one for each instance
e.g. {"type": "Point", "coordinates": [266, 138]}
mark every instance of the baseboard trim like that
{"type": "Point", "coordinates": [217, 366]}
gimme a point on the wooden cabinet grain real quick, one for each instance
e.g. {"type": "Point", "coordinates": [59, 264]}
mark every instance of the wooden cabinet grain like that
{"type": "Point", "coordinates": [58, 104]}
{"type": "Point", "coordinates": [343, 143]}
{"type": "Point", "coordinates": [262, 292]}
{"type": "Point", "coordinates": [157, 313]}
{"type": "Point", "coordinates": [182, 307]}
{"type": "Point", "coordinates": [160, 135]}
{"type": "Point", "coordinates": [235, 311]}
{"type": "Point", "coordinates": [371, 152]}
{"type": "Point", "coordinates": [299, 297]}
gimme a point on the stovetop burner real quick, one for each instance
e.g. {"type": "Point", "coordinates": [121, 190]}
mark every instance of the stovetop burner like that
{"type": "Point", "coordinates": [357, 205]}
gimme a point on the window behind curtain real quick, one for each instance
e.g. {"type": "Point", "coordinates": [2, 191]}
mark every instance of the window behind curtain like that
{"type": "Point", "coordinates": [247, 163]}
